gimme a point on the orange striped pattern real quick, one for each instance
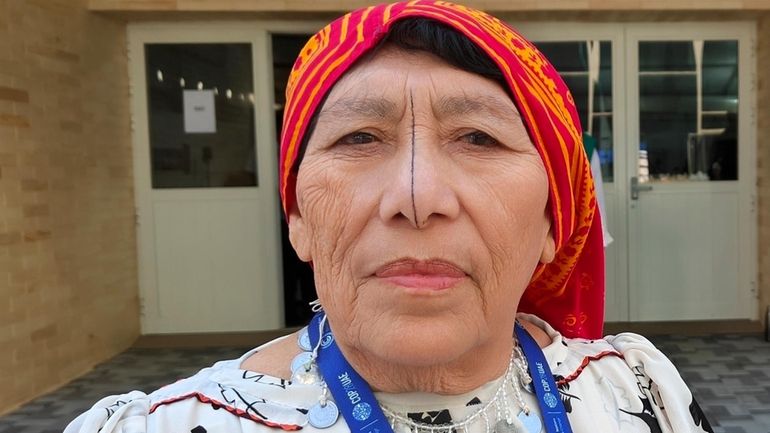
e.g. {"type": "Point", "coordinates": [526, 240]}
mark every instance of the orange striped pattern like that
{"type": "Point", "coordinates": [569, 292]}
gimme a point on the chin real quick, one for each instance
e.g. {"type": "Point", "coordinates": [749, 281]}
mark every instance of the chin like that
{"type": "Point", "coordinates": [423, 341]}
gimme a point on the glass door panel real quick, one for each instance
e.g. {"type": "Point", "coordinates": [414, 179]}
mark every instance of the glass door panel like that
{"type": "Point", "coordinates": [586, 67]}
{"type": "Point", "coordinates": [688, 111]}
{"type": "Point", "coordinates": [200, 106]}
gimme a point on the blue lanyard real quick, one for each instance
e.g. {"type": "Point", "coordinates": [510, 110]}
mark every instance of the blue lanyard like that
{"type": "Point", "coordinates": [551, 406]}
{"type": "Point", "coordinates": [362, 412]}
{"type": "Point", "coordinates": [351, 393]}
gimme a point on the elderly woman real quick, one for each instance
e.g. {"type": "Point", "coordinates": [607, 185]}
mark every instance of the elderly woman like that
{"type": "Point", "coordinates": [432, 171]}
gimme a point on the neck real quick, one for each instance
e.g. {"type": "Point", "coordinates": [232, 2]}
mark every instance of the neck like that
{"type": "Point", "coordinates": [464, 374]}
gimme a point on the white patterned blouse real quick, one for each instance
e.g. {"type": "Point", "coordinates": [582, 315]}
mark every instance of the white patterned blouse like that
{"type": "Point", "coordinates": [620, 383]}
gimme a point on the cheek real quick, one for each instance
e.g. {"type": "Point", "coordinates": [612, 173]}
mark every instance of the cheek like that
{"type": "Point", "coordinates": [509, 213]}
{"type": "Point", "coordinates": [319, 198]}
{"type": "Point", "coordinates": [324, 199]}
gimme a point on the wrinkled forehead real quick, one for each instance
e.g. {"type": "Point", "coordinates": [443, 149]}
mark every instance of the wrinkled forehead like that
{"type": "Point", "coordinates": [339, 46]}
{"type": "Point", "coordinates": [384, 83]}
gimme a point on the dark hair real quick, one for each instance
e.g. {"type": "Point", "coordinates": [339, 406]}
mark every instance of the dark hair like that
{"type": "Point", "coordinates": [441, 40]}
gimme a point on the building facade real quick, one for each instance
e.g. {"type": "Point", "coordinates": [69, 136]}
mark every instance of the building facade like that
{"type": "Point", "coordinates": [138, 142]}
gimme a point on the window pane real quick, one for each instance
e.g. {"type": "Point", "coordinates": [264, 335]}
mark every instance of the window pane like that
{"type": "Point", "coordinates": [566, 56]}
{"type": "Point", "coordinates": [667, 115]}
{"type": "Point", "coordinates": [602, 131]}
{"type": "Point", "coordinates": [720, 75]}
{"type": "Point", "coordinates": [586, 67]}
{"type": "Point", "coordinates": [578, 85]}
{"type": "Point", "coordinates": [200, 101]}
{"type": "Point", "coordinates": [688, 98]}
{"type": "Point", "coordinates": [666, 56]}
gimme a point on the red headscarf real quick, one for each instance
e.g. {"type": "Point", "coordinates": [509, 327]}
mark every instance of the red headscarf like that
{"type": "Point", "coordinates": [569, 292]}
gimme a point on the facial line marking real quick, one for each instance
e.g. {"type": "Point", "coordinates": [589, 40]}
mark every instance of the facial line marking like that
{"type": "Point", "coordinates": [414, 205]}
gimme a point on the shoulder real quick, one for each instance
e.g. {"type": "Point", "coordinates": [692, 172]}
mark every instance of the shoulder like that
{"type": "Point", "coordinates": [627, 349]}
{"type": "Point", "coordinates": [275, 358]}
{"type": "Point", "coordinates": [627, 372]}
{"type": "Point", "coordinates": [216, 399]}
{"type": "Point", "coordinates": [620, 383]}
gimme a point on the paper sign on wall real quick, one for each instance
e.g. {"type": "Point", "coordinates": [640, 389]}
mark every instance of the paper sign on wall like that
{"type": "Point", "coordinates": [199, 113]}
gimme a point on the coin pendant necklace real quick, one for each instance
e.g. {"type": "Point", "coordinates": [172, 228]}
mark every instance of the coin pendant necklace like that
{"type": "Point", "coordinates": [494, 416]}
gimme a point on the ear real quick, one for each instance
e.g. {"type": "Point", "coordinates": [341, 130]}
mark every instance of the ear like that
{"type": "Point", "coordinates": [299, 235]}
{"type": "Point", "coordinates": [549, 246]}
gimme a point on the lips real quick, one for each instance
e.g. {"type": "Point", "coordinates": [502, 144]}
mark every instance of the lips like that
{"type": "Point", "coordinates": [431, 275]}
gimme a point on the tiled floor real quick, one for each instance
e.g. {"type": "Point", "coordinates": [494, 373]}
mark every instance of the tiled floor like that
{"type": "Point", "coordinates": [730, 376]}
{"type": "Point", "coordinates": [142, 369]}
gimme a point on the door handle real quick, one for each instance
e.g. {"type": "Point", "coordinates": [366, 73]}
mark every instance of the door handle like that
{"type": "Point", "coordinates": [636, 187]}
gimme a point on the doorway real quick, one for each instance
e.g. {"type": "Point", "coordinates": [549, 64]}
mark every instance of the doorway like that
{"type": "Point", "coordinates": [670, 109]}
{"type": "Point", "coordinates": [205, 178]}
{"type": "Point", "coordinates": [298, 283]}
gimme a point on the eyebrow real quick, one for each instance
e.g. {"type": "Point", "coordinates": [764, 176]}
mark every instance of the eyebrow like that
{"type": "Point", "coordinates": [361, 108]}
{"type": "Point", "coordinates": [447, 106]}
{"type": "Point", "coordinates": [452, 106]}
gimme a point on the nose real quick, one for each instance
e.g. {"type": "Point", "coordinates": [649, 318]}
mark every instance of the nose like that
{"type": "Point", "coordinates": [420, 191]}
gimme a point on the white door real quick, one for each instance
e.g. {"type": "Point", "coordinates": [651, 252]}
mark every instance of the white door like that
{"type": "Point", "coordinates": [590, 59]}
{"type": "Point", "coordinates": [692, 222]}
{"type": "Point", "coordinates": [205, 177]}
{"type": "Point", "coordinates": [684, 249]}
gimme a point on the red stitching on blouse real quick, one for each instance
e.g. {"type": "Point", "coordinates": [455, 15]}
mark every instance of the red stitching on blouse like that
{"type": "Point", "coordinates": [217, 405]}
{"type": "Point", "coordinates": [585, 363]}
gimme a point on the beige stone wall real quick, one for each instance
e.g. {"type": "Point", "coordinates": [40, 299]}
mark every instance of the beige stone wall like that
{"type": "Point", "coordinates": [491, 5]}
{"type": "Point", "coordinates": [68, 278]}
{"type": "Point", "coordinates": [763, 161]}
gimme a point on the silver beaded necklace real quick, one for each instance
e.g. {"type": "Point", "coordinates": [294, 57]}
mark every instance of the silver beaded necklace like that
{"type": "Point", "coordinates": [495, 415]}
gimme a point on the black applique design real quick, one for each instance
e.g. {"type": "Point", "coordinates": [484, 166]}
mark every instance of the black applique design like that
{"type": "Point", "coordinates": [437, 417]}
{"type": "Point", "coordinates": [647, 415]}
{"type": "Point", "coordinates": [199, 429]}
{"type": "Point", "coordinates": [114, 407]}
{"type": "Point", "coordinates": [260, 378]}
{"type": "Point", "coordinates": [237, 398]}
{"type": "Point", "coordinates": [566, 396]}
{"type": "Point", "coordinates": [699, 418]}
{"type": "Point", "coordinates": [474, 401]}
{"type": "Point", "coordinates": [646, 385]}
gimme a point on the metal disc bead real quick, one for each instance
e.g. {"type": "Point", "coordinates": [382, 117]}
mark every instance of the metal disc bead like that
{"type": "Point", "coordinates": [300, 361]}
{"type": "Point", "coordinates": [304, 340]}
{"type": "Point", "coordinates": [531, 422]}
{"type": "Point", "coordinates": [323, 416]}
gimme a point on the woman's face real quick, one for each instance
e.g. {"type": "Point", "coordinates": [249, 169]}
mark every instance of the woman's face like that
{"type": "Point", "coordinates": [422, 204]}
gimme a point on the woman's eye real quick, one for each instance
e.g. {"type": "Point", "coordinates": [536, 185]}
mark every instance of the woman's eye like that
{"type": "Point", "coordinates": [357, 138]}
{"type": "Point", "coordinates": [479, 138]}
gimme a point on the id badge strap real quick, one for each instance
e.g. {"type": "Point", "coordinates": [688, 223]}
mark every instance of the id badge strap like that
{"type": "Point", "coordinates": [548, 397]}
{"type": "Point", "coordinates": [351, 393]}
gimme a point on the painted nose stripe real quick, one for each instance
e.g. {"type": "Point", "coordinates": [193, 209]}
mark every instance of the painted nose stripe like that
{"type": "Point", "coordinates": [414, 204]}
